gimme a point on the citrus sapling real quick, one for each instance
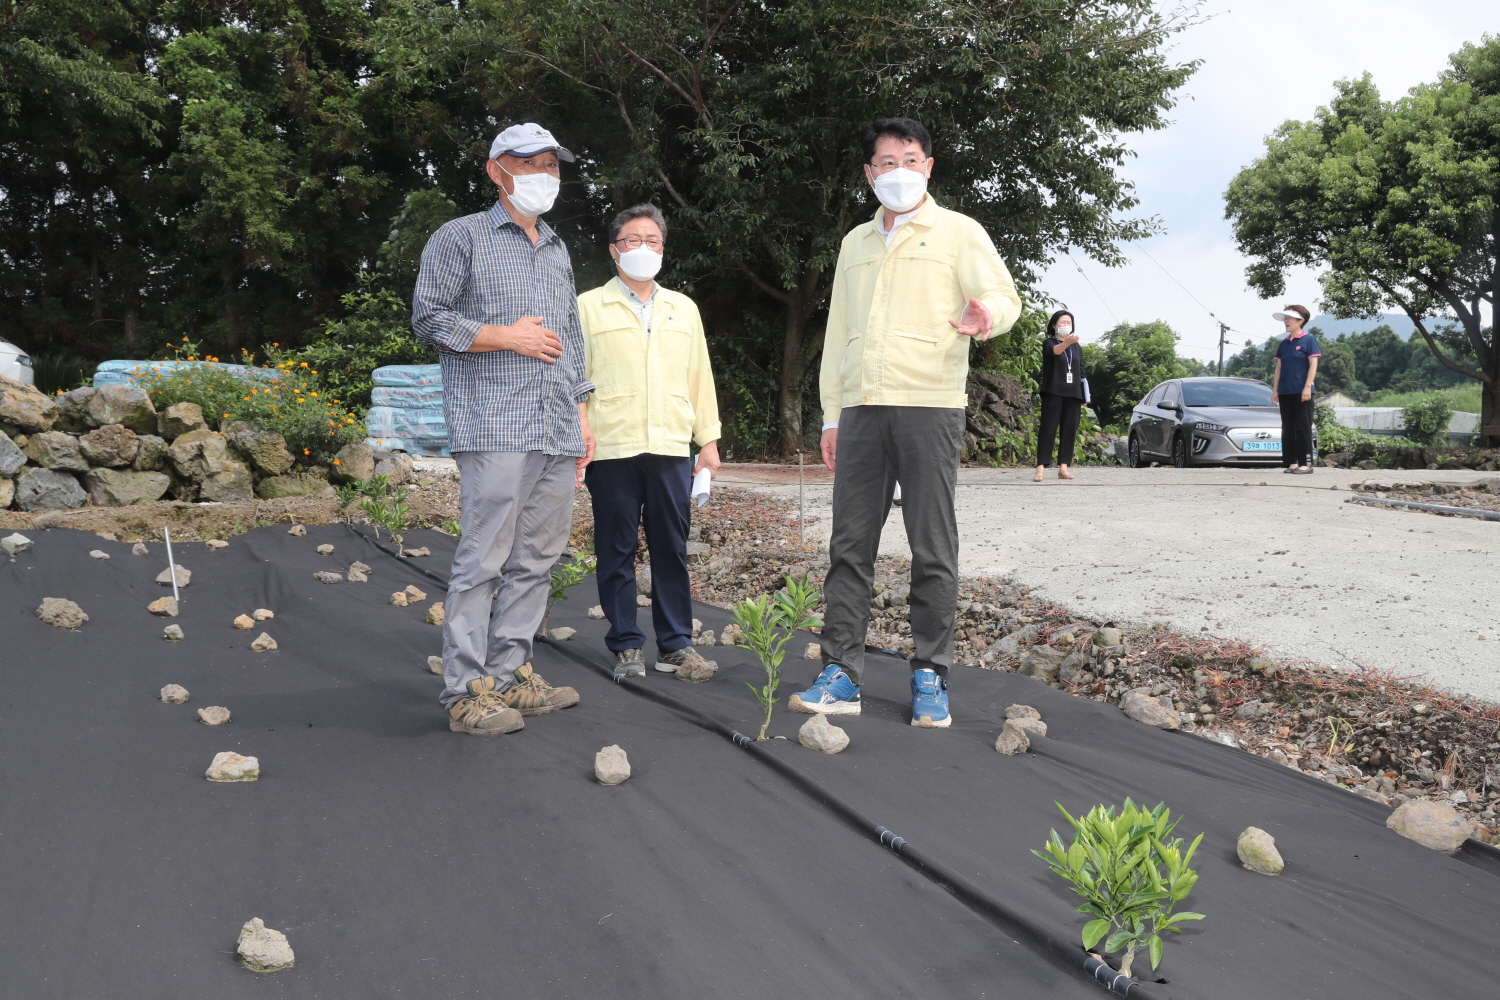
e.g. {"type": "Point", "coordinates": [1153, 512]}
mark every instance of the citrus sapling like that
{"type": "Point", "coordinates": [566, 575]}
{"type": "Point", "coordinates": [1130, 875]}
{"type": "Point", "coordinates": [768, 623]}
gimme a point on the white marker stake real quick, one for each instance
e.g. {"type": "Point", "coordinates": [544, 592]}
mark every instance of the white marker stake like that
{"type": "Point", "coordinates": [801, 506]}
{"type": "Point", "coordinates": [171, 566]}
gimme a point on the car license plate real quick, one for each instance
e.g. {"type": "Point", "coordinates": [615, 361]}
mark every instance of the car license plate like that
{"type": "Point", "coordinates": [1262, 445]}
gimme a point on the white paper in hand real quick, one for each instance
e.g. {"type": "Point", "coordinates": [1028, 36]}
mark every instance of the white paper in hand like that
{"type": "Point", "coordinates": [701, 486]}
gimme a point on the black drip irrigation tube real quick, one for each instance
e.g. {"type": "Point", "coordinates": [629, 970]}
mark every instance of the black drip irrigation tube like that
{"type": "Point", "coordinates": [1069, 955]}
{"type": "Point", "coordinates": [1436, 508]}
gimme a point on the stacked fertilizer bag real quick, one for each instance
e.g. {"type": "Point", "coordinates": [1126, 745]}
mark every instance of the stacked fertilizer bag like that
{"type": "Point", "coordinates": [406, 412]}
{"type": "Point", "coordinates": [126, 372]}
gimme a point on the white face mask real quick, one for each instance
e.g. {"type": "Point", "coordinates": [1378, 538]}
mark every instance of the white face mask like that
{"type": "Point", "coordinates": [1063, 331]}
{"type": "Point", "coordinates": [642, 263]}
{"type": "Point", "coordinates": [900, 190]}
{"type": "Point", "coordinates": [534, 193]}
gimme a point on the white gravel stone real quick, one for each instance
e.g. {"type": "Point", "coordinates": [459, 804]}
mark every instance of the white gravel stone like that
{"type": "Point", "coordinates": [562, 634]}
{"type": "Point", "coordinates": [216, 543]}
{"type": "Point", "coordinates": [263, 643]}
{"type": "Point", "coordinates": [184, 576]}
{"type": "Point", "coordinates": [11, 544]}
{"type": "Point", "coordinates": [814, 651]}
{"type": "Point", "coordinates": [98, 554]}
{"type": "Point", "coordinates": [172, 632]}
{"type": "Point", "coordinates": [597, 612]}
{"type": "Point", "coordinates": [139, 549]}
{"type": "Point", "coordinates": [1033, 727]}
{"type": "Point", "coordinates": [1432, 824]}
{"type": "Point", "coordinates": [817, 733]}
{"type": "Point", "coordinates": [1257, 851]}
{"type": "Point", "coordinates": [1157, 712]}
{"type": "Point", "coordinates": [262, 614]}
{"type": "Point", "coordinates": [244, 622]}
{"type": "Point", "coordinates": [214, 715]}
{"type": "Point", "coordinates": [230, 766]}
{"type": "Point", "coordinates": [297, 530]}
{"type": "Point", "coordinates": [61, 613]}
{"type": "Point", "coordinates": [324, 576]}
{"type": "Point", "coordinates": [325, 549]}
{"type": "Point", "coordinates": [174, 694]}
{"type": "Point", "coordinates": [163, 607]}
{"type": "Point", "coordinates": [435, 665]}
{"type": "Point", "coordinates": [1013, 739]}
{"type": "Point", "coordinates": [611, 766]}
{"type": "Point", "coordinates": [263, 950]}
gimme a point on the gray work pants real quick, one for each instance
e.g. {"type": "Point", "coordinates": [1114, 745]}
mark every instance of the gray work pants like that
{"type": "Point", "coordinates": [517, 511]}
{"type": "Point", "coordinates": [879, 446]}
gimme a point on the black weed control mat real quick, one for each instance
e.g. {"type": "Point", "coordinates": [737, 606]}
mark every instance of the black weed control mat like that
{"type": "Point", "coordinates": [405, 861]}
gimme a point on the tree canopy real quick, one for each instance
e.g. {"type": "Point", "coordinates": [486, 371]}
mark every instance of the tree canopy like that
{"type": "Point", "coordinates": [1129, 361]}
{"type": "Point", "coordinates": [232, 171]}
{"type": "Point", "coordinates": [1399, 200]}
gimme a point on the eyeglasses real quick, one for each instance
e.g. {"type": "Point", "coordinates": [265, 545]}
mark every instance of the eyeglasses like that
{"type": "Point", "coordinates": [887, 165]}
{"type": "Point", "coordinates": [634, 242]}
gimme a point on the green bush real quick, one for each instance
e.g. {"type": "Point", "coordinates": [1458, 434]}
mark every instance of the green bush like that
{"type": "Point", "coordinates": [295, 404]}
{"type": "Point", "coordinates": [375, 332]}
{"type": "Point", "coordinates": [1427, 420]}
{"type": "Point", "coordinates": [57, 371]}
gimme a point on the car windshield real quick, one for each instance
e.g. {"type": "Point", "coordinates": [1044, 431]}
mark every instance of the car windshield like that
{"type": "Point", "coordinates": [1226, 393]}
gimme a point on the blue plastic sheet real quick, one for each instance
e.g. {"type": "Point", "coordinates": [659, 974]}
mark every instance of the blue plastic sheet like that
{"type": "Point", "coordinates": [408, 376]}
{"type": "Point", "coordinates": [121, 372]}
{"type": "Point", "coordinates": [421, 397]}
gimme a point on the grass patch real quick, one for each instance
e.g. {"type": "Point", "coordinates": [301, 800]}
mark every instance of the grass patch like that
{"type": "Point", "coordinates": [1461, 398]}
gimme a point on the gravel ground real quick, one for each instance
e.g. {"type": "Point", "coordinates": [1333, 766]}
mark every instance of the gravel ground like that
{"type": "Point", "coordinates": [1250, 555]}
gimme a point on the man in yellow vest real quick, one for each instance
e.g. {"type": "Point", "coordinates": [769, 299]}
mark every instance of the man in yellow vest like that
{"type": "Point", "coordinates": [645, 352]}
{"type": "Point", "coordinates": [913, 288]}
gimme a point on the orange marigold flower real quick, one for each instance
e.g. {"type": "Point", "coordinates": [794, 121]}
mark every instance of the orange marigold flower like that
{"type": "Point", "coordinates": [306, 452]}
{"type": "Point", "coordinates": [303, 365]}
{"type": "Point", "coordinates": [335, 461]}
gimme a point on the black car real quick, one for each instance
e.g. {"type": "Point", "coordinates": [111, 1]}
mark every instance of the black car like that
{"type": "Point", "coordinates": [1207, 421]}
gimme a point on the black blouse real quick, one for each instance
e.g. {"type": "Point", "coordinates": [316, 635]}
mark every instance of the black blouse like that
{"type": "Point", "coordinates": [1055, 368]}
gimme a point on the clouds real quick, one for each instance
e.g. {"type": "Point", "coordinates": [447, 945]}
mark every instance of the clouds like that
{"type": "Point", "coordinates": [1264, 62]}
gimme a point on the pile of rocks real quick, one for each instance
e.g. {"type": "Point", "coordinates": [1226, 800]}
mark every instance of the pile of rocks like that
{"type": "Point", "coordinates": [109, 447]}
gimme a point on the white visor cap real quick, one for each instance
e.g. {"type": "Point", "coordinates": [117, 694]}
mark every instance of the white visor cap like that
{"type": "Point", "coordinates": [1289, 315]}
{"type": "Point", "coordinates": [527, 139]}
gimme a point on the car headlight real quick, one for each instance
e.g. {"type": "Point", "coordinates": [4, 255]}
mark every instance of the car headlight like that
{"type": "Point", "coordinates": [1204, 425]}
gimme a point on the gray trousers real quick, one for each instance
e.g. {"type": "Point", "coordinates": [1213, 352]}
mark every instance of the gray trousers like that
{"type": "Point", "coordinates": [517, 511]}
{"type": "Point", "coordinates": [878, 446]}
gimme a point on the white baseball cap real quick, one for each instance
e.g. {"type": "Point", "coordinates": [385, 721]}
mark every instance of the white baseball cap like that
{"type": "Point", "coordinates": [527, 139]}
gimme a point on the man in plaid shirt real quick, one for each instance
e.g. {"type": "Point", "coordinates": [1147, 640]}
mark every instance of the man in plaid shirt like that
{"type": "Point", "coordinates": [495, 297]}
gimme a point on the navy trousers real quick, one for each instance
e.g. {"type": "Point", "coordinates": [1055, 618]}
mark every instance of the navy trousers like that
{"type": "Point", "coordinates": [626, 492]}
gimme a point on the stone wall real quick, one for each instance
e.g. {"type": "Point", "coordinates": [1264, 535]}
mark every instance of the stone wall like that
{"type": "Point", "coordinates": [998, 405]}
{"type": "Point", "coordinates": [109, 447]}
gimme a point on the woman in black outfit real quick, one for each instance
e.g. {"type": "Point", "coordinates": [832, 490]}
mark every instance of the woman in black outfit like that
{"type": "Point", "coordinates": [1062, 394]}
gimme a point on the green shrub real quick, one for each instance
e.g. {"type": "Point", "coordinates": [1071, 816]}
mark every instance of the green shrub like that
{"type": "Point", "coordinates": [57, 371]}
{"type": "Point", "coordinates": [1427, 420]}
{"type": "Point", "coordinates": [375, 332]}
{"type": "Point", "coordinates": [768, 624]}
{"type": "Point", "coordinates": [295, 404]}
{"type": "Point", "coordinates": [1129, 874]}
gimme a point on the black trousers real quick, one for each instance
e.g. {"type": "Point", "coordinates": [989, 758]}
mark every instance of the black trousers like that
{"type": "Point", "coordinates": [626, 492]}
{"type": "Point", "coordinates": [1058, 412]}
{"type": "Point", "coordinates": [1296, 429]}
{"type": "Point", "coordinates": [879, 446]}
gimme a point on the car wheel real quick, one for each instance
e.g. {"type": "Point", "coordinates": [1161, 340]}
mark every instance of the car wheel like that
{"type": "Point", "coordinates": [1179, 452]}
{"type": "Point", "coordinates": [1133, 453]}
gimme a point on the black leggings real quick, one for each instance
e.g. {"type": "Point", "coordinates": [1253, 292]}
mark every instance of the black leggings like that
{"type": "Point", "coordinates": [1296, 429]}
{"type": "Point", "coordinates": [1057, 411]}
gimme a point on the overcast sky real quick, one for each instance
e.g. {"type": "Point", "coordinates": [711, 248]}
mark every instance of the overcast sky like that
{"type": "Point", "coordinates": [1264, 62]}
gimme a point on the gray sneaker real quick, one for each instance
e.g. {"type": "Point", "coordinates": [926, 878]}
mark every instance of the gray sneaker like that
{"type": "Point", "coordinates": [687, 664]}
{"type": "Point", "coordinates": [629, 663]}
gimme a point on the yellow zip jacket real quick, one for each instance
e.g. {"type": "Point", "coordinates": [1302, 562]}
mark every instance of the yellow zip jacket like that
{"type": "Point", "coordinates": [888, 341]}
{"type": "Point", "coordinates": [651, 397]}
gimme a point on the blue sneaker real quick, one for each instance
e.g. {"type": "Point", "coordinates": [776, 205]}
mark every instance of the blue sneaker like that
{"type": "Point", "coordinates": [833, 693]}
{"type": "Point", "coordinates": [929, 700]}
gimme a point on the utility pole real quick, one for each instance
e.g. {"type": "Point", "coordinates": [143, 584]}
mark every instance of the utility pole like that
{"type": "Point", "coordinates": [1223, 333]}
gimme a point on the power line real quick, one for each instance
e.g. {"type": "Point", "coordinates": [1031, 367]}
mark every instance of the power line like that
{"type": "Point", "coordinates": [1224, 328]}
{"type": "Point", "coordinates": [1092, 288]}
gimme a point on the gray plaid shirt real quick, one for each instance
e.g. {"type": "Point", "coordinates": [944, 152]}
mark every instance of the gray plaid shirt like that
{"type": "Point", "coordinates": [483, 269]}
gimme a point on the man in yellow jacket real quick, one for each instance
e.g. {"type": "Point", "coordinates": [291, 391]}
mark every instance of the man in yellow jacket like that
{"type": "Point", "coordinates": [645, 351]}
{"type": "Point", "coordinates": [913, 288]}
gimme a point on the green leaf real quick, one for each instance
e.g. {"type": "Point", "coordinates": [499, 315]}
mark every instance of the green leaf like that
{"type": "Point", "coordinates": [1093, 931]}
{"type": "Point", "coordinates": [1155, 950]}
{"type": "Point", "coordinates": [1119, 939]}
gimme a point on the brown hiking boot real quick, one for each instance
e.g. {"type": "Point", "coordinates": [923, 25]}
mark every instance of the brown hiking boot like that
{"type": "Point", "coordinates": [482, 713]}
{"type": "Point", "coordinates": [690, 666]}
{"type": "Point", "coordinates": [531, 695]}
